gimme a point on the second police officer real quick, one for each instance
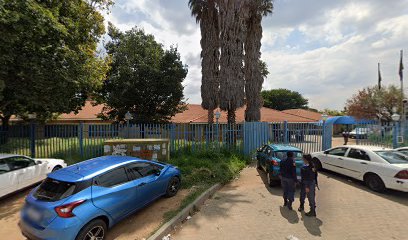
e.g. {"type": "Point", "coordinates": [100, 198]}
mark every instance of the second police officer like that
{"type": "Point", "coordinates": [308, 185]}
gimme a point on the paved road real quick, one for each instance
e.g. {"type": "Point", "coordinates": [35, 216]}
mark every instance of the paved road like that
{"type": "Point", "coordinates": [347, 210]}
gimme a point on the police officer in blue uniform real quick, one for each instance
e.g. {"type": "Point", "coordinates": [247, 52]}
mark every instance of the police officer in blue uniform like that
{"type": "Point", "coordinates": [288, 179]}
{"type": "Point", "coordinates": [308, 185]}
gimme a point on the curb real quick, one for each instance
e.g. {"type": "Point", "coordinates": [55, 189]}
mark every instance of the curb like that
{"type": "Point", "coordinates": [187, 211]}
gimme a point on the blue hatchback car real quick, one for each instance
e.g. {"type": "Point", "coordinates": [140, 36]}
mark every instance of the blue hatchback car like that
{"type": "Point", "coordinates": [269, 157]}
{"type": "Point", "coordinates": [83, 200]}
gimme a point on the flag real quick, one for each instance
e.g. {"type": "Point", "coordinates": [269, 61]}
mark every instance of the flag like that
{"type": "Point", "coordinates": [401, 68]}
{"type": "Point", "coordinates": [379, 77]}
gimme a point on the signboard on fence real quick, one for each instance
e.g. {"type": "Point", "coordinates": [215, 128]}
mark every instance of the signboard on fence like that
{"type": "Point", "coordinates": [148, 149]}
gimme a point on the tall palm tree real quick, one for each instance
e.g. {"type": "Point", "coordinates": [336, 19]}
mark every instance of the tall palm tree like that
{"type": "Point", "coordinates": [232, 36]}
{"type": "Point", "coordinates": [253, 72]}
{"type": "Point", "coordinates": [206, 15]}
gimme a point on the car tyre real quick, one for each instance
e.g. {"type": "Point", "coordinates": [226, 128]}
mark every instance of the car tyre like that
{"type": "Point", "coordinates": [271, 182]}
{"type": "Point", "coordinates": [96, 228]}
{"type": "Point", "coordinates": [56, 168]}
{"type": "Point", "coordinates": [173, 187]}
{"type": "Point", "coordinates": [258, 165]}
{"type": "Point", "coordinates": [375, 183]}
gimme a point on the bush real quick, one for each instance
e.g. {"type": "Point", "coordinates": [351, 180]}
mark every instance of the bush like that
{"type": "Point", "coordinates": [208, 167]}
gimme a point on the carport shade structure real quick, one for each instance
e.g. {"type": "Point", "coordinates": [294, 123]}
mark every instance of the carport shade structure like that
{"type": "Point", "coordinates": [348, 120]}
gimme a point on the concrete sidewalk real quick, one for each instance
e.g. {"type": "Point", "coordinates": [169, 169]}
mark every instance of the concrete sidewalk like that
{"type": "Point", "coordinates": [247, 209]}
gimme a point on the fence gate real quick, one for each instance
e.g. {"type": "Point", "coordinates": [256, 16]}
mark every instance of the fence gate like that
{"type": "Point", "coordinates": [327, 135]}
{"type": "Point", "coordinates": [256, 134]}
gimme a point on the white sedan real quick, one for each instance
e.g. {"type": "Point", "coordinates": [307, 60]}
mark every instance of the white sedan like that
{"type": "Point", "coordinates": [379, 168]}
{"type": "Point", "coordinates": [18, 172]}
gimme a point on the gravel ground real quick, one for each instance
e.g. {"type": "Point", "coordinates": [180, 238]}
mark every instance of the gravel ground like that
{"type": "Point", "coordinates": [138, 226]}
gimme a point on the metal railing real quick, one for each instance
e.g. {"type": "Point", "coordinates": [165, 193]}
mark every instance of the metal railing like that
{"type": "Point", "coordinates": [84, 141]}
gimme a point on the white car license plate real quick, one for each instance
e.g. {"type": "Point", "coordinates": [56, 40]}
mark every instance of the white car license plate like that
{"type": "Point", "coordinates": [33, 214]}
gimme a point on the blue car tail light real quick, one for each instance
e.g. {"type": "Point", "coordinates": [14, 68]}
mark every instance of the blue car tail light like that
{"type": "Point", "coordinates": [66, 210]}
{"type": "Point", "coordinates": [274, 162]}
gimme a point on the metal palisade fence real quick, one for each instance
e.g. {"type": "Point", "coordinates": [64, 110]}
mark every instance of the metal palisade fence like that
{"type": "Point", "coordinates": [84, 141]}
{"type": "Point", "coordinates": [379, 135]}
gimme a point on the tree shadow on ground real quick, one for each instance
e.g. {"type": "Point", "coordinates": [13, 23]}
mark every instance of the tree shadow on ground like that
{"type": "Point", "coordinates": [396, 196]}
{"type": "Point", "coordinates": [220, 204]}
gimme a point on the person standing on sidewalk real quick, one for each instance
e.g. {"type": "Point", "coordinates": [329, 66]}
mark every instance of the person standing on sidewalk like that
{"type": "Point", "coordinates": [346, 135]}
{"type": "Point", "coordinates": [308, 185]}
{"type": "Point", "coordinates": [288, 178]}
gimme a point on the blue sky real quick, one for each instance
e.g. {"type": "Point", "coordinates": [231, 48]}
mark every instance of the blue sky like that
{"type": "Point", "coordinates": [325, 49]}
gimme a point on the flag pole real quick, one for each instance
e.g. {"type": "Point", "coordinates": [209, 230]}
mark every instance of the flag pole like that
{"type": "Point", "coordinates": [401, 75]}
{"type": "Point", "coordinates": [379, 77]}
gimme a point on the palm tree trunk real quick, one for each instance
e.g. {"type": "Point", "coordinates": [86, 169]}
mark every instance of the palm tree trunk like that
{"type": "Point", "coordinates": [210, 54]}
{"type": "Point", "coordinates": [253, 74]}
{"type": "Point", "coordinates": [231, 116]}
{"type": "Point", "coordinates": [4, 127]}
{"type": "Point", "coordinates": [232, 34]}
{"type": "Point", "coordinates": [210, 116]}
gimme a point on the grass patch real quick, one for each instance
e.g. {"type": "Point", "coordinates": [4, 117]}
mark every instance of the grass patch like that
{"type": "Point", "coordinates": [208, 167]}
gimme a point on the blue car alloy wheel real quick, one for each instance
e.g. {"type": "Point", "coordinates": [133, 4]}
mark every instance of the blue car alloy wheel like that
{"type": "Point", "coordinates": [173, 187]}
{"type": "Point", "coordinates": [95, 230]}
{"type": "Point", "coordinates": [84, 200]}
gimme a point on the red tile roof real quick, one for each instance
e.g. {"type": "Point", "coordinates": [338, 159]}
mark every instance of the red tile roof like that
{"type": "Point", "coordinates": [315, 116]}
{"type": "Point", "coordinates": [88, 112]}
{"type": "Point", "coordinates": [196, 114]}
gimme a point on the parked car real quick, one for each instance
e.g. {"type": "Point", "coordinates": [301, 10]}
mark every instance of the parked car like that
{"type": "Point", "coordinates": [378, 167]}
{"type": "Point", "coordinates": [403, 150]}
{"type": "Point", "coordinates": [85, 199]}
{"type": "Point", "coordinates": [360, 133]}
{"type": "Point", "coordinates": [269, 157]}
{"type": "Point", "coordinates": [18, 172]}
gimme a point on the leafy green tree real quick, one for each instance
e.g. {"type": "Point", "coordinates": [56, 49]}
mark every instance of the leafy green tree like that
{"type": "Point", "coordinates": [374, 103]}
{"type": "Point", "coordinates": [48, 58]}
{"type": "Point", "coordinates": [264, 68]}
{"type": "Point", "coordinates": [144, 78]}
{"type": "Point", "coordinates": [283, 99]}
{"type": "Point", "coordinates": [333, 112]}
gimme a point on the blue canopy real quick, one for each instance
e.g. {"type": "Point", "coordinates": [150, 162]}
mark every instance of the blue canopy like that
{"type": "Point", "coordinates": [348, 120]}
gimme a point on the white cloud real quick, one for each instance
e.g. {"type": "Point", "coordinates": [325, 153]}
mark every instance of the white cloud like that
{"type": "Point", "coordinates": [324, 49]}
{"type": "Point", "coordinates": [340, 52]}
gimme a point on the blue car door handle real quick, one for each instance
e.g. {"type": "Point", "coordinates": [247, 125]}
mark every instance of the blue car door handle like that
{"type": "Point", "coordinates": [141, 184]}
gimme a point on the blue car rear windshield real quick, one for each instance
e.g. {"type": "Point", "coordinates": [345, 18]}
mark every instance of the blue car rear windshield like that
{"type": "Point", "coordinates": [52, 190]}
{"type": "Point", "coordinates": [283, 155]}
